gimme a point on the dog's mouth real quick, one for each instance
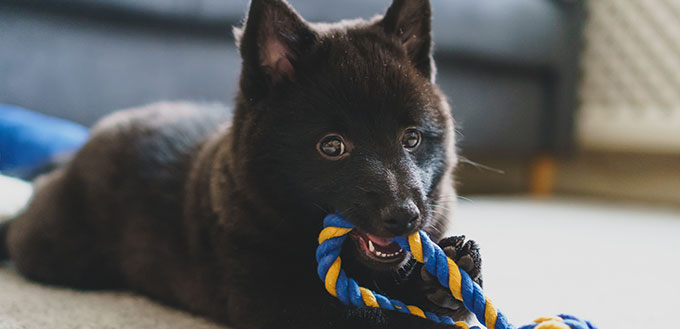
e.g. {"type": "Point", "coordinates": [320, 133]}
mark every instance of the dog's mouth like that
{"type": "Point", "coordinates": [379, 251]}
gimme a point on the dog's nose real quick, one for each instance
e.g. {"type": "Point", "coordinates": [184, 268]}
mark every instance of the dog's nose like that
{"type": "Point", "coordinates": [401, 218]}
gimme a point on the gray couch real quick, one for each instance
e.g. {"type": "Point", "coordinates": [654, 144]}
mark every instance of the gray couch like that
{"type": "Point", "coordinates": [509, 67]}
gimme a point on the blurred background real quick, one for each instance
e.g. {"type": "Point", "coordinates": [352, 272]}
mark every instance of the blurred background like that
{"type": "Point", "coordinates": [568, 116]}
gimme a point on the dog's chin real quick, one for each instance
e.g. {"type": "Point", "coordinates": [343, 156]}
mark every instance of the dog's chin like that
{"type": "Point", "coordinates": [378, 253]}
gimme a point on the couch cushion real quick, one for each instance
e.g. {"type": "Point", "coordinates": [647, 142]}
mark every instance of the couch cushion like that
{"type": "Point", "coordinates": [516, 30]}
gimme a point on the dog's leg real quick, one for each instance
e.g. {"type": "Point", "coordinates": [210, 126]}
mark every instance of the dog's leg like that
{"type": "Point", "coordinates": [52, 240]}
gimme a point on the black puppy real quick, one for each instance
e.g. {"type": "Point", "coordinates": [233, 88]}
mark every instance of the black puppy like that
{"type": "Point", "coordinates": [220, 217]}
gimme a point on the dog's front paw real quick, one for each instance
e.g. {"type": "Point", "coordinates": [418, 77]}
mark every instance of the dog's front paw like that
{"type": "Point", "coordinates": [467, 256]}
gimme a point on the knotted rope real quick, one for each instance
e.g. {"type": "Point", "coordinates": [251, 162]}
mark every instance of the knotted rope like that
{"type": "Point", "coordinates": [449, 275]}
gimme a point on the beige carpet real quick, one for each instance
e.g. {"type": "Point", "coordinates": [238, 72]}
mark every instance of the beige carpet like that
{"type": "Point", "coordinates": [612, 263]}
{"type": "Point", "coordinates": [25, 305]}
{"type": "Point", "coordinates": [616, 264]}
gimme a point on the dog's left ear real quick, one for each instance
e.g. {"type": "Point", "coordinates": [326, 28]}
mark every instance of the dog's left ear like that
{"type": "Point", "coordinates": [411, 22]}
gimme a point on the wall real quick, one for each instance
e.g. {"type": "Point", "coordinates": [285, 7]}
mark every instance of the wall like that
{"type": "Point", "coordinates": [630, 93]}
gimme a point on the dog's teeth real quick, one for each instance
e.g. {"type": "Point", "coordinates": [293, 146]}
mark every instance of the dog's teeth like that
{"type": "Point", "coordinates": [374, 251]}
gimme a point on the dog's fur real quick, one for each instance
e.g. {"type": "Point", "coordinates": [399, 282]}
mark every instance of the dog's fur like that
{"type": "Point", "coordinates": [219, 216]}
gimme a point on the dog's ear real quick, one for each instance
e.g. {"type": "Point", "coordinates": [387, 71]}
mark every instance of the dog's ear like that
{"type": "Point", "coordinates": [411, 22]}
{"type": "Point", "coordinates": [271, 40]}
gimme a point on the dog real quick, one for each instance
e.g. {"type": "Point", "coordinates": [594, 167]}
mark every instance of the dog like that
{"type": "Point", "coordinates": [219, 215]}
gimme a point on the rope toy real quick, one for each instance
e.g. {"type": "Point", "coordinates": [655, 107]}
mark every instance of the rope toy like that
{"type": "Point", "coordinates": [449, 275]}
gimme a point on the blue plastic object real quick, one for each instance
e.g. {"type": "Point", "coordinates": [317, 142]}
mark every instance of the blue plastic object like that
{"type": "Point", "coordinates": [29, 140]}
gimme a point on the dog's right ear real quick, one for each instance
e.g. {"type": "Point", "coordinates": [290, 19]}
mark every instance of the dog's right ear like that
{"type": "Point", "coordinates": [271, 41]}
{"type": "Point", "coordinates": [410, 21]}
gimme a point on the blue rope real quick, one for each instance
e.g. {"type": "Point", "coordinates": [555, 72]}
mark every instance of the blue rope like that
{"type": "Point", "coordinates": [437, 263]}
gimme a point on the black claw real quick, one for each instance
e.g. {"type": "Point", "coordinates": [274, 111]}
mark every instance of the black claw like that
{"type": "Point", "coordinates": [450, 252]}
{"type": "Point", "coordinates": [452, 241]}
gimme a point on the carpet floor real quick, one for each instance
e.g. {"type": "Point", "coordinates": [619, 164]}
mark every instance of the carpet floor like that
{"type": "Point", "coordinates": [615, 264]}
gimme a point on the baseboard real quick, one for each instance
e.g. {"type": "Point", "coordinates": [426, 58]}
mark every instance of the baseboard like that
{"type": "Point", "coordinates": [627, 176]}
{"type": "Point", "coordinates": [608, 175]}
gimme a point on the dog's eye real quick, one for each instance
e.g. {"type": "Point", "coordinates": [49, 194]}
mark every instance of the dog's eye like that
{"type": "Point", "coordinates": [332, 146]}
{"type": "Point", "coordinates": [411, 138]}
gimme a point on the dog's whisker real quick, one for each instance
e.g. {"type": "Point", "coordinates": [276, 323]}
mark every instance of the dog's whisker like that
{"type": "Point", "coordinates": [363, 189]}
{"type": "Point", "coordinates": [481, 166]}
{"type": "Point", "coordinates": [321, 207]}
{"type": "Point", "coordinates": [464, 199]}
{"type": "Point", "coordinates": [448, 198]}
{"type": "Point", "coordinates": [440, 206]}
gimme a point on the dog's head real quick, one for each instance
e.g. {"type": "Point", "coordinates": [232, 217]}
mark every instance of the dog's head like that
{"type": "Point", "coordinates": [346, 117]}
